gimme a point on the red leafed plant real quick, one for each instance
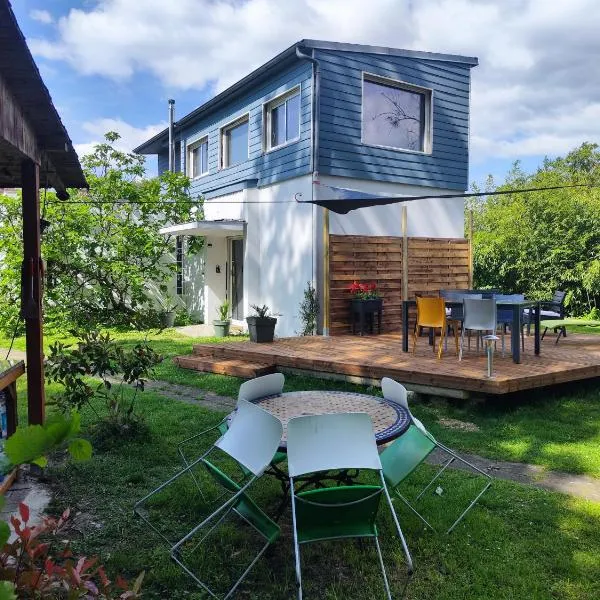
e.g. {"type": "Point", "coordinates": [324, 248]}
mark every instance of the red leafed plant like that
{"type": "Point", "coordinates": [364, 291]}
{"type": "Point", "coordinates": [31, 566]}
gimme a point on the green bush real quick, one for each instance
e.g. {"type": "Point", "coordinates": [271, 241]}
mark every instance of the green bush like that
{"type": "Point", "coordinates": [536, 243]}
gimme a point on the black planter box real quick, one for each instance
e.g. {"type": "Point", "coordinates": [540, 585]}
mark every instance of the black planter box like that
{"type": "Point", "coordinates": [261, 329]}
{"type": "Point", "coordinates": [363, 312]}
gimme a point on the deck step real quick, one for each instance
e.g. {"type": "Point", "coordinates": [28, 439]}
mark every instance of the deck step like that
{"type": "Point", "coordinates": [233, 367]}
{"type": "Point", "coordinates": [206, 350]}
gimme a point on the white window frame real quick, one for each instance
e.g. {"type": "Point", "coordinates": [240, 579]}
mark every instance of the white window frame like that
{"type": "Point", "coordinates": [190, 152]}
{"type": "Point", "coordinates": [409, 87]}
{"type": "Point", "coordinates": [267, 113]}
{"type": "Point", "coordinates": [245, 118]}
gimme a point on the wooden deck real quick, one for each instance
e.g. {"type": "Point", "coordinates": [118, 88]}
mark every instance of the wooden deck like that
{"type": "Point", "coordinates": [373, 357]}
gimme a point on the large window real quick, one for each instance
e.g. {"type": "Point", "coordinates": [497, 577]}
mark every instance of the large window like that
{"type": "Point", "coordinates": [199, 158]}
{"type": "Point", "coordinates": [234, 143]}
{"type": "Point", "coordinates": [396, 115]}
{"type": "Point", "coordinates": [283, 120]}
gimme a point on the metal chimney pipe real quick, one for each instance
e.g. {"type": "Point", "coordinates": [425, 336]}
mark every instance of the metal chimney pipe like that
{"type": "Point", "coordinates": [171, 128]}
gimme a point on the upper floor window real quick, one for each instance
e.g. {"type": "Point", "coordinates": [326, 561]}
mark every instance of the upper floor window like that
{"type": "Point", "coordinates": [396, 114]}
{"type": "Point", "coordinates": [199, 158]}
{"type": "Point", "coordinates": [283, 120]}
{"type": "Point", "coordinates": [234, 142]}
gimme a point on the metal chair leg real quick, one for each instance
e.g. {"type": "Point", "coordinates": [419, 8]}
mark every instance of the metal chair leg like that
{"type": "Point", "coordinates": [385, 579]}
{"type": "Point", "coordinates": [407, 555]}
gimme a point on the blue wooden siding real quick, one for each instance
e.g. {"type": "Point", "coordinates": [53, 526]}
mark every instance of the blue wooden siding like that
{"type": "Point", "coordinates": [341, 151]}
{"type": "Point", "coordinates": [269, 167]}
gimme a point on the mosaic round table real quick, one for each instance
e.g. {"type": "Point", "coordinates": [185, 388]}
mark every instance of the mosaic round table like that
{"type": "Point", "coordinates": [390, 419]}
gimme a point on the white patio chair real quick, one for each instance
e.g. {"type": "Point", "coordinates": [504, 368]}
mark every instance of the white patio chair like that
{"type": "Point", "coordinates": [478, 315]}
{"type": "Point", "coordinates": [251, 441]}
{"type": "Point", "coordinates": [260, 387]}
{"type": "Point", "coordinates": [334, 442]}
{"type": "Point", "coordinates": [404, 455]}
{"type": "Point", "coordinates": [254, 389]}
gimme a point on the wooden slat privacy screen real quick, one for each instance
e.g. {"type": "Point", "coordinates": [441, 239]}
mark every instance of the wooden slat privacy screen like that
{"type": "Point", "coordinates": [433, 264]}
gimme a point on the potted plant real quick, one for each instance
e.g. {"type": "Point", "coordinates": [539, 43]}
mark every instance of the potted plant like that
{"type": "Point", "coordinates": [261, 326]}
{"type": "Point", "coordinates": [222, 324]}
{"type": "Point", "coordinates": [366, 302]}
{"type": "Point", "coordinates": [168, 313]}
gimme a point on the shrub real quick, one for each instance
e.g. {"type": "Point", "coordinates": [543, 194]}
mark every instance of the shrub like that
{"type": "Point", "coordinates": [98, 355]}
{"type": "Point", "coordinates": [33, 566]}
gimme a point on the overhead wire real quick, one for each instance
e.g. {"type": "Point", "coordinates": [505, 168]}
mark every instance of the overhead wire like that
{"type": "Point", "coordinates": [297, 201]}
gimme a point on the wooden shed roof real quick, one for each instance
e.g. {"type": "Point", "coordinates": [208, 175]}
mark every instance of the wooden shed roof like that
{"type": "Point", "coordinates": [24, 88]}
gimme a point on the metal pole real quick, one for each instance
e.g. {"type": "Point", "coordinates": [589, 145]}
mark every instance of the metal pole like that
{"type": "Point", "coordinates": [326, 281]}
{"type": "Point", "coordinates": [470, 248]}
{"type": "Point", "coordinates": [171, 127]}
{"type": "Point", "coordinates": [404, 253]}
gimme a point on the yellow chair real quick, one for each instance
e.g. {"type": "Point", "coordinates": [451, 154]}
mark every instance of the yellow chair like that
{"type": "Point", "coordinates": [431, 313]}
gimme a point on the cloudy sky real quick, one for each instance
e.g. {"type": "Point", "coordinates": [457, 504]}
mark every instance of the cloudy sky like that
{"type": "Point", "coordinates": [112, 64]}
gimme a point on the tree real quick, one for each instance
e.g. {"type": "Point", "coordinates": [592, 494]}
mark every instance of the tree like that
{"type": "Point", "coordinates": [536, 243]}
{"type": "Point", "coordinates": [105, 258]}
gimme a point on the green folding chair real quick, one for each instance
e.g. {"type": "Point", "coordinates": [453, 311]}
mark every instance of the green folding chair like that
{"type": "Point", "coordinates": [332, 442]}
{"type": "Point", "coordinates": [401, 458]}
{"type": "Point", "coordinates": [250, 443]}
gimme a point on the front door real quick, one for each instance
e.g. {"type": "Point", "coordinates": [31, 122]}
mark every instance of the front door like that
{"type": "Point", "coordinates": [236, 253]}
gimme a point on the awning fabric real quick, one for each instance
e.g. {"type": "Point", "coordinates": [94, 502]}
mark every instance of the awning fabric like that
{"type": "Point", "coordinates": [343, 200]}
{"type": "Point", "coordinates": [223, 228]}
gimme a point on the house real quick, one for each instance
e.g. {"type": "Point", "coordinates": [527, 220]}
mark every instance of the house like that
{"type": "Point", "coordinates": [318, 116]}
{"type": "Point", "coordinates": [34, 146]}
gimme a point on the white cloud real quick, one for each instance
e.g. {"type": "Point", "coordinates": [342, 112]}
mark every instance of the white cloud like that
{"type": "Point", "coordinates": [42, 16]}
{"type": "Point", "coordinates": [536, 90]}
{"type": "Point", "coordinates": [130, 136]}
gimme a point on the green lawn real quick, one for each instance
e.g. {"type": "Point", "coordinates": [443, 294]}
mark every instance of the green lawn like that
{"type": "Point", "coordinates": [518, 543]}
{"type": "Point", "coordinates": [557, 429]}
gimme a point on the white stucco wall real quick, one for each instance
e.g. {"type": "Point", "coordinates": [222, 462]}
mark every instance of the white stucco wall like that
{"type": "Point", "coordinates": [435, 217]}
{"type": "Point", "coordinates": [280, 236]}
{"type": "Point", "coordinates": [283, 240]}
{"type": "Point", "coordinates": [278, 250]}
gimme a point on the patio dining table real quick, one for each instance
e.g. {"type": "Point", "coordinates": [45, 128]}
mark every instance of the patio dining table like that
{"type": "Point", "coordinates": [518, 309]}
{"type": "Point", "coordinates": [390, 421]}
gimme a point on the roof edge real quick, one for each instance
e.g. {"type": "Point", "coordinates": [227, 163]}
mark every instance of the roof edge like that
{"type": "Point", "coordinates": [148, 146]}
{"type": "Point", "coordinates": [472, 61]}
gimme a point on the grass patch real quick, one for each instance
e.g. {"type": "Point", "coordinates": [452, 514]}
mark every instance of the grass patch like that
{"type": "Point", "coordinates": [518, 543]}
{"type": "Point", "coordinates": [556, 428]}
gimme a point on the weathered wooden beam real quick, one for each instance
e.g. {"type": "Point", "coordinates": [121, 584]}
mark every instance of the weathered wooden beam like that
{"type": "Point", "coordinates": [32, 291]}
{"type": "Point", "coordinates": [14, 127]}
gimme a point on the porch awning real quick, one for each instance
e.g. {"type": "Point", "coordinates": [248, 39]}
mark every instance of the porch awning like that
{"type": "Point", "coordinates": [223, 228]}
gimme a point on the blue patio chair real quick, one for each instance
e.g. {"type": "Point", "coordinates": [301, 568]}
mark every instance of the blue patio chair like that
{"type": "Point", "coordinates": [505, 316]}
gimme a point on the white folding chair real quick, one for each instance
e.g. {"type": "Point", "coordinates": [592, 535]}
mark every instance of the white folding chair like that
{"type": "Point", "coordinates": [251, 441]}
{"type": "Point", "coordinates": [260, 387]}
{"type": "Point", "coordinates": [254, 389]}
{"type": "Point", "coordinates": [404, 455]}
{"type": "Point", "coordinates": [478, 315]}
{"type": "Point", "coordinates": [335, 442]}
